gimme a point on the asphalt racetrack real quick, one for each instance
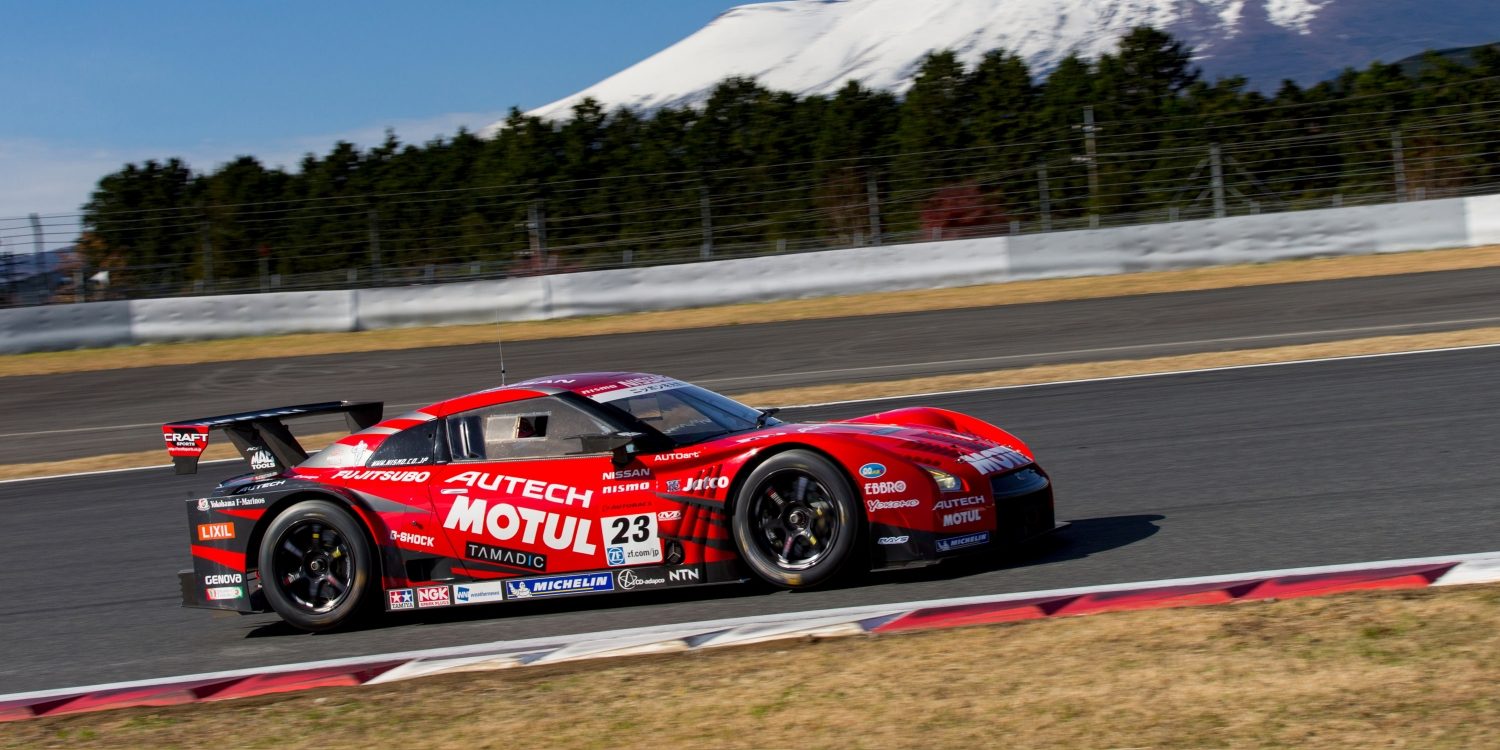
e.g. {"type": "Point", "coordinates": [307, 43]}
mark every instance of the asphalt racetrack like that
{"type": "Point", "coordinates": [1187, 474]}
{"type": "Point", "coordinates": [90, 413]}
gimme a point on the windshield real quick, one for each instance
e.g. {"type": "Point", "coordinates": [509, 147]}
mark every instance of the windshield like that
{"type": "Point", "coordinates": [689, 414]}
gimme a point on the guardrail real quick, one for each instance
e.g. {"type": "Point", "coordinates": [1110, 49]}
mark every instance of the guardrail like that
{"type": "Point", "coordinates": [1454, 222]}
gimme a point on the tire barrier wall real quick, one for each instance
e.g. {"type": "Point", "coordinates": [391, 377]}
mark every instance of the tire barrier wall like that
{"type": "Point", "coordinates": [830, 623]}
{"type": "Point", "coordinates": [1455, 222]}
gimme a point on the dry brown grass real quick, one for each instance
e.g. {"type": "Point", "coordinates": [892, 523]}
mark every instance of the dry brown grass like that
{"type": "Point", "coordinates": [1395, 669]}
{"type": "Point", "coordinates": [46, 363]}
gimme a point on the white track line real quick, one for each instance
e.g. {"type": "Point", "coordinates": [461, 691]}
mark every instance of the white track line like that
{"type": "Point", "coordinates": [1489, 561]}
{"type": "Point", "coordinates": [958, 392]}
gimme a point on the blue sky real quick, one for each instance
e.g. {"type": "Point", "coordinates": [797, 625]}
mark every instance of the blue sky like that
{"type": "Point", "coordinates": [89, 86]}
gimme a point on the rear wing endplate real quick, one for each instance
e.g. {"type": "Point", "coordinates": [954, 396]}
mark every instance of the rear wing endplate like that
{"type": "Point", "coordinates": [261, 436]}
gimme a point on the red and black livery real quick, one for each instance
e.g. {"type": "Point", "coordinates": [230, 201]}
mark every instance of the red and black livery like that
{"type": "Point", "coordinates": [588, 483]}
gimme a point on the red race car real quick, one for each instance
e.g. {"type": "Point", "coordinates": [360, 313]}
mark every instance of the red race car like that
{"type": "Point", "coordinates": [586, 484]}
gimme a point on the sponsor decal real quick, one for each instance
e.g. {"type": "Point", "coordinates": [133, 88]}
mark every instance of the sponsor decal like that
{"type": "Point", "coordinates": [262, 460]}
{"type": "Point", "coordinates": [583, 583]}
{"type": "Point", "coordinates": [958, 518]}
{"type": "Point", "coordinates": [534, 489]}
{"type": "Point", "coordinates": [872, 471]}
{"type": "Point", "coordinates": [382, 475]}
{"type": "Point", "coordinates": [637, 473]}
{"type": "Point", "coordinates": [221, 593]}
{"type": "Point", "coordinates": [548, 381]}
{"type": "Point", "coordinates": [409, 538]}
{"type": "Point", "coordinates": [631, 387]}
{"type": "Point", "coordinates": [213, 532]}
{"type": "Point", "coordinates": [433, 596]}
{"type": "Point", "coordinates": [959, 542]}
{"type": "Point", "coordinates": [400, 599]}
{"type": "Point", "coordinates": [613, 489]}
{"type": "Point", "coordinates": [884, 488]}
{"type": "Point", "coordinates": [629, 579]}
{"type": "Point", "coordinates": [996, 459]}
{"type": "Point", "coordinates": [185, 441]}
{"type": "Point", "coordinates": [359, 453]}
{"type": "Point", "coordinates": [264, 486]}
{"type": "Point", "coordinates": [674, 485]}
{"type": "Point", "coordinates": [399, 461]}
{"type": "Point", "coordinates": [669, 515]}
{"type": "Point", "coordinates": [504, 522]}
{"type": "Point", "coordinates": [893, 540]}
{"type": "Point", "coordinates": [220, 579]}
{"type": "Point", "coordinates": [702, 484]}
{"type": "Point", "coordinates": [503, 556]}
{"type": "Point", "coordinates": [875, 505]}
{"type": "Point", "coordinates": [630, 540]}
{"type": "Point", "coordinates": [220, 503]}
{"type": "Point", "coordinates": [958, 502]}
{"type": "Point", "coordinates": [676, 456]}
{"type": "Point", "coordinates": [478, 593]}
{"type": "Point", "coordinates": [682, 575]}
{"type": "Point", "coordinates": [597, 389]}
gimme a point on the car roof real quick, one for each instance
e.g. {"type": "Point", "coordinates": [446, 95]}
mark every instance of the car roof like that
{"type": "Point", "coordinates": [597, 385]}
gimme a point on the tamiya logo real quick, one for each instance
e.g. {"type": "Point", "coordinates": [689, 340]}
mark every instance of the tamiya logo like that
{"type": "Point", "coordinates": [872, 471]}
{"type": "Point", "coordinates": [527, 588]}
{"type": "Point", "coordinates": [614, 555]}
{"type": "Point", "coordinates": [996, 459]}
{"type": "Point", "coordinates": [884, 488]}
{"type": "Point", "coordinates": [433, 596]}
{"type": "Point", "coordinates": [400, 599]}
{"type": "Point", "coordinates": [959, 542]}
{"type": "Point", "coordinates": [669, 515]}
{"type": "Point", "coordinates": [213, 532]}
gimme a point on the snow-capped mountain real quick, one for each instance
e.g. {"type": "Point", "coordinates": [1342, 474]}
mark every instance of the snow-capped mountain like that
{"type": "Point", "coordinates": [814, 46]}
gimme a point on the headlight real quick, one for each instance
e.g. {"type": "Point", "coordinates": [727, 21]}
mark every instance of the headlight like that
{"type": "Point", "coordinates": [945, 481]}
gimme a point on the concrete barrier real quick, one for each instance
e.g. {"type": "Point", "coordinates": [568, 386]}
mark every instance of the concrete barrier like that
{"type": "Point", "coordinates": [1397, 227]}
{"type": "Point", "coordinates": [53, 328]}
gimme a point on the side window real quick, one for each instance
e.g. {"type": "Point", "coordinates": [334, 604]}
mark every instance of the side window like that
{"type": "Point", "coordinates": [409, 447]}
{"type": "Point", "coordinates": [534, 428]}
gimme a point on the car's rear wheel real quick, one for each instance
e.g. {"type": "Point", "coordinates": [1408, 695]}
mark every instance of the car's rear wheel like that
{"type": "Point", "coordinates": [796, 520]}
{"type": "Point", "coordinates": [316, 567]}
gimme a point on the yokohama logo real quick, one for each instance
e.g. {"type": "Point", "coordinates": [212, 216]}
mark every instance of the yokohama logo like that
{"type": "Point", "coordinates": [875, 505]}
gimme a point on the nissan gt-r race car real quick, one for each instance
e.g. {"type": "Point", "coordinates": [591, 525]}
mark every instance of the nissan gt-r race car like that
{"type": "Point", "coordinates": [587, 484]}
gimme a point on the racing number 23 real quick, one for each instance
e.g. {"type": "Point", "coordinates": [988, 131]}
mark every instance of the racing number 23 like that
{"type": "Point", "coordinates": [621, 525]}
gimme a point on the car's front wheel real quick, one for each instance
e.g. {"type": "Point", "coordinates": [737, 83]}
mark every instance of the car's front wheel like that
{"type": "Point", "coordinates": [796, 520]}
{"type": "Point", "coordinates": [316, 567]}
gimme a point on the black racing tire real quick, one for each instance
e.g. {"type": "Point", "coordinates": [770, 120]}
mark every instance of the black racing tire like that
{"type": "Point", "coordinates": [797, 522]}
{"type": "Point", "coordinates": [317, 568]}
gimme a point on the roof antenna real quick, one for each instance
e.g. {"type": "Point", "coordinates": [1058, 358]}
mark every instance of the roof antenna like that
{"type": "Point", "coordinates": [502, 354]}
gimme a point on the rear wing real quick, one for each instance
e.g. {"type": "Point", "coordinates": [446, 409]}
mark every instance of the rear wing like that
{"type": "Point", "coordinates": [260, 436]}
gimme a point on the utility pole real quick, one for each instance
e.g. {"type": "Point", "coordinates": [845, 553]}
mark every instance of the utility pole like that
{"type": "Point", "coordinates": [873, 192]}
{"type": "Point", "coordinates": [536, 224]}
{"type": "Point", "coordinates": [708, 223]}
{"type": "Point", "coordinates": [36, 245]}
{"type": "Point", "coordinates": [208, 259]}
{"type": "Point", "coordinates": [1399, 161]}
{"type": "Point", "coordinates": [1045, 195]}
{"type": "Point", "coordinates": [1216, 179]}
{"type": "Point", "coordinates": [375, 270]}
{"type": "Point", "coordinates": [1091, 154]}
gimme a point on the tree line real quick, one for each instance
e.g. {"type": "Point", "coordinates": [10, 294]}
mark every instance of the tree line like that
{"type": "Point", "coordinates": [965, 147]}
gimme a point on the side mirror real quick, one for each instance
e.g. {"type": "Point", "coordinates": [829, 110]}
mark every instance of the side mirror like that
{"type": "Point", "coordinates": [622, 444]}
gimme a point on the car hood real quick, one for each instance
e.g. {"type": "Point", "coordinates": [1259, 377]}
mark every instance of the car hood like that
{"type": "Point", "coordinates": [922, 444]}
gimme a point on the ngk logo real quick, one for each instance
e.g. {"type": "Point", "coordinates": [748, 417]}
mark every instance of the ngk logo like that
{"type": "Point", "coordinates": [210, 532]}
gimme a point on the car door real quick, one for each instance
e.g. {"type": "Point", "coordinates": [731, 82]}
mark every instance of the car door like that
{"type": "Point", "coordinates": [521, 495]}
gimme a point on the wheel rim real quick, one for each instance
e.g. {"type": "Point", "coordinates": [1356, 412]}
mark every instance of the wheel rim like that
{"type": "Point", "coordinates": [313, 566]}
{"type": "Point", "coordinates": [795, 519]}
